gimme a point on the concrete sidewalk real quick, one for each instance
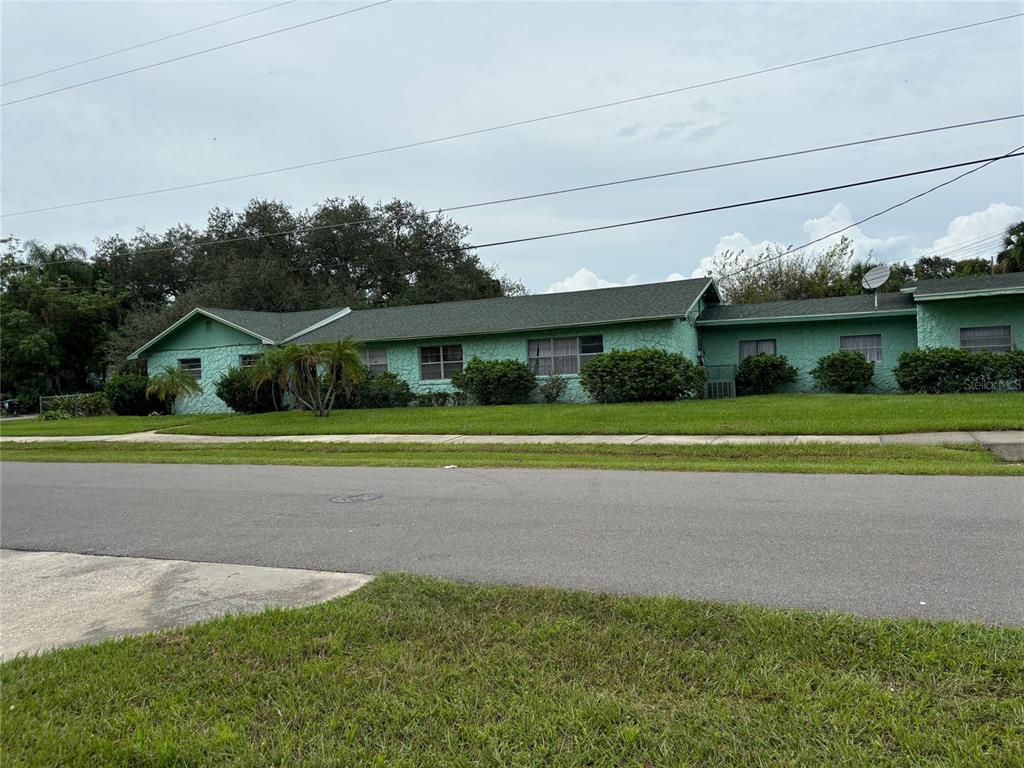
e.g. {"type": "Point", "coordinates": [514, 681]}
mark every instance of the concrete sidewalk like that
{"type": "Point", "coordinates": [985, 438]}
{"type": "Point", "coordinates": [53, 599]}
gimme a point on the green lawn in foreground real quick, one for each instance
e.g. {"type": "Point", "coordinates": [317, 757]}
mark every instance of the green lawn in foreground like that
{"type": "Point", "coordinates": [419, 672]}
{"type": "Point", "coordinates": [766, 415]}
{"type": "Point", "coordinates": [101, 425]}
{"type": "Point", "coordinates": [806, 458]}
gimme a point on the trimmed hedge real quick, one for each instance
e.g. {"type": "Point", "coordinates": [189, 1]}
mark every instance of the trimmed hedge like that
{"type": "Point", "coordinates": [639, 375]}
{"type": "Point", "coordinates": [496, 382]}
{"type": "Point", "coordinates": [843, 371]}
{"type": "Point", "coordinates": [763, 374]}
{"type": "Point", "coordinates": [127, 395]}
{"type": "Point", "coordinates": [236, 388]}
{"type": "Point", "coordinates": [947, 369]}
{"type": "Point", "coordinates": [385, 390]}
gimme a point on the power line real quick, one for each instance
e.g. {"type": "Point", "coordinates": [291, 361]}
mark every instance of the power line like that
{"type": "Point", "coordinates": [730, 206]}
{"type": "Point", "coordinates": [514, 124]}
{"type": "Point", "coordinates": [194, 53]}
{"type": "Point", "coordinates": [143, 45]}
{"type": "Point", "coordinates": [1012, 153]}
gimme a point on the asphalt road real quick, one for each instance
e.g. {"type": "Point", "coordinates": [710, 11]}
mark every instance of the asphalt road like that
{"type": "Point", "coordinates": [944, 547]}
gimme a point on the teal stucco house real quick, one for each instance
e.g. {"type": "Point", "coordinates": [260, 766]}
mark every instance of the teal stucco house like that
{"type": "Point", "coordinates": [558, 333]}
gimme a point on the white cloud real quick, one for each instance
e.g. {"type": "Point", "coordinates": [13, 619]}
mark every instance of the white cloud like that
{"type": "Point", "coordinates": [840, 217]}
{"type": "Point", "coordinates": [970, 234]}
{"type": "Point", "coordinates": [674, 276]}
{"type": "Point", "coordinates": [585, 280]}
{"type": "Point", "coordinates": [736, 242]}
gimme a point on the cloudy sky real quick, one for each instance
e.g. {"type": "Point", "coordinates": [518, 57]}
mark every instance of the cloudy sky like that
{"type": "Point", "coordinates": [408, 71]}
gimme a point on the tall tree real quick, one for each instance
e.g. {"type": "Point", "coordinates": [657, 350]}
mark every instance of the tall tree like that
{"type": "Point", "coordinates": [1011, 257]}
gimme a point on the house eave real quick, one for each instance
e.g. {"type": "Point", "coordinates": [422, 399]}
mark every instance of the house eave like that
{"type": "Point", "coordinates": [1011, 291]}
{"type": "Point", "coordinates": [320, 324]}
{"type": "Point", "coordinates": [808, 318]}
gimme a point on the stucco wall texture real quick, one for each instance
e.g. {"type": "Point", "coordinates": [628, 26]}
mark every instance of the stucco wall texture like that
{"type": "Point", "coordinates": [803, 343]}
{"type": "Point", "coordinates": [939, 321]}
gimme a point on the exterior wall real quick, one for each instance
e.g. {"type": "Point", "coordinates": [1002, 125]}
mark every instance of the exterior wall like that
{"type": "Point", "coordinates": [939, 321]}
{"type": "Point", "coordinates": [673, 335]}
{"type": "Point", "coordinates": [804, 342]}
{"type": "Point", "coordinates": [216, 361]}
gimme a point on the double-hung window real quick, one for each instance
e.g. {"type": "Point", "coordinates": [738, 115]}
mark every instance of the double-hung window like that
{"type": "Point", "coordinates": [562, 355]}
{"type": "Point", "coordinates": [992, 338]}
{"type": "Point", "coordinates": [869, 345]}
{"type": "Point", "coordinates": [375, 359]}
{"type": "Point", "coordinates": [439, 363]}
{"type": "Point", "coordinates": [248, 361]}
{"type": "Point", "coordinates": [758, 347]}
{"type": "Point", "coordinates": [193, 366]}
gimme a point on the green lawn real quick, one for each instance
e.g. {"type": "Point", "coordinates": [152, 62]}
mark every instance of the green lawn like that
{"type": "Point", "coordinates": [805, 458]}
{"type": "Point", "coordinates": [419, 672]}
{"type": "Point", "coordinates": [101, 425]}
{"type": "Point", "coordinates": [765, 415]}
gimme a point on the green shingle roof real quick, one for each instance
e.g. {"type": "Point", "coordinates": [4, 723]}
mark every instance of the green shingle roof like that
{"type": "Point", "coordinates": [806, 308]}
{"type": "Point", "coordinates": [276, 326]}
{"type": "Point", "coordinates": [1013, 281]}
{"type": "Point", "coordinates": [515, 313]}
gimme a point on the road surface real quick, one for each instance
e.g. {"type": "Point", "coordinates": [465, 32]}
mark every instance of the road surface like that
{"type": "Point", "coordinates": [943, 547]}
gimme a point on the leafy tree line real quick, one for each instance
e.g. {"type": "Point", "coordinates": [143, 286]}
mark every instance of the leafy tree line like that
{"type": "Point", "coordinates": [809, 274]}
{"type": "Point", "coordinates": [68, 319]}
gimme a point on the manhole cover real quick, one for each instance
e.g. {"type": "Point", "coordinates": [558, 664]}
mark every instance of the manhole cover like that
{"type": "Point", "coordinates": [355, 497]}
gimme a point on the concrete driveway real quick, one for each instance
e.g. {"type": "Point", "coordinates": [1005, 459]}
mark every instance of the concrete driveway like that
{"type": "Point", "coordinates": [50, 599]}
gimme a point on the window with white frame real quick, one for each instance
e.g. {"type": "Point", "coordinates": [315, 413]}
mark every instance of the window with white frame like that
{"type": "Point", "coordinates": [193, 366]}
{"type": "Point", "coordinates": [869, 345]}
{"type": "Point", "coordinates": [991, 338]}
{"type": "Point", "coordinates": [248, 361]}
{"type": "Point", "coordinates": [439, 363]}
{"type": "Point", "coordinates": [562, 355]}
{"type": "Point", "coordinates": [756, 347]}
{"type": "Point", "coordinates": [375, 359]}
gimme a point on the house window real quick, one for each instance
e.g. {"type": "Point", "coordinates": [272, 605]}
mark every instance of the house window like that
{"type": "Point", "coordinates": [439, 363]}
{"type": "Point", "coordinates": [375, 359]}
{"type": "Point", "coordinates": [248, 361]}
{"type": "Point", "coordinates": [565, 355]}
{"type": "Point", "coordinates": [992, 338]}
{"type": "Point", "coordinates": [193, 366]}
{"type": "Point", "coordinates": [758, 347]}
{"type": "Point", "coordinates": [869, 345]}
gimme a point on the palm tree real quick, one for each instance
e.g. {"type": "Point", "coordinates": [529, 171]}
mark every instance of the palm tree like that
{"type": "Point", "coordinates": [314, 374]}
{"type": "Point", "coordinates": [1011, 258]}
{"type": "Point", "coordinates": [171, 383]}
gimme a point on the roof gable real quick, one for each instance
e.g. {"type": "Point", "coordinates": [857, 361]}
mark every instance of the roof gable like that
{"type": "Point", "coordinates": [511, 314]}
{"type": "Point", "coordinates": [232, 326]}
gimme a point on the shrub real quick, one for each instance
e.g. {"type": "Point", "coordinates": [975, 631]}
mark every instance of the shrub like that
{"type": "Point", "coordinates": [238, 389]}
{"type": "Point", "coordinates": [127, 395]}
{"type": "Point", "coordinates": [433, 399]}
{"type": "Point", "coordinates": [496, 382]}
{"type": "Point", "coordinates": [635, 375]}
{"type": "Point", "coordinates": [1011, 368]}
{"type": "Point", "coordinates": [386, 390]}
{"type": "Point", "coordinates": [552, 388]}
{"type": "Point", "coordinates": [763, 374]}
{"type": "Point", "coordinates": [73, 406]}
{"type": "Point", "coordinates": [843, 371]}
{"type": "Point", "coordinates": [947, 369]}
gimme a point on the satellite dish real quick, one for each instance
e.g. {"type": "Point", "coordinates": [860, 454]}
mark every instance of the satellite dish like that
{"type": "Point", "coordinates": [875, 277]}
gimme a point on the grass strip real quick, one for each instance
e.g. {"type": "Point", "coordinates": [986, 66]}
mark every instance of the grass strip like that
{"type": "Point", "coordinates": [411, 671]}
{"type": "Point", "coordinates": [802, 458]}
